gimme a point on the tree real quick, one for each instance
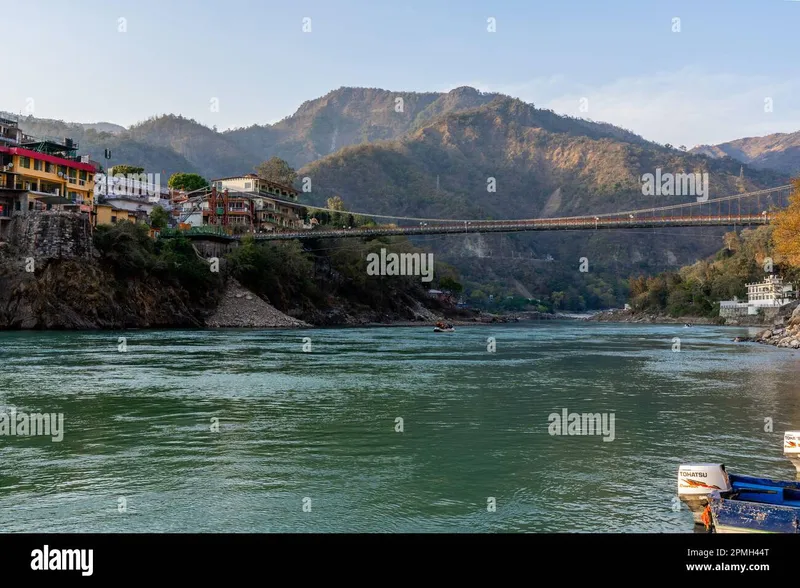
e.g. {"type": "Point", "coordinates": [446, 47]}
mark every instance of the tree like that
{"type": "Point", "coordinates": [786, 234]}
{"type": "Point", "coordinates": [159, 219]}
{"type": "Point", "coordinates": [127, 170]}
{"type": "Point", "coordinates": [188, 182]}
{"type": "Point", "coordinates": [276, 170]}
{"type": "Point", "coordinates": [731, 241]}
{"type": "Point", "coordinates": [449, 284]}
{"type": "Point", "coordinates": [558, 299]}
{"type": "Point", "coordinates": [335, 203]}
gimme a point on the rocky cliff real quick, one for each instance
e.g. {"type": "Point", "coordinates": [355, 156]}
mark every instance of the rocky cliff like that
{"type": "Point", "coordinates": [56, 274]}
{"type": "Point", "coordinates": [52, 277]}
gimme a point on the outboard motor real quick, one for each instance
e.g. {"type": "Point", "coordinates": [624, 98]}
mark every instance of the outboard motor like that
{"type": "Point", "coordinates": [697, 481]}
{"type": "Point", "coordinates": [791, 448]}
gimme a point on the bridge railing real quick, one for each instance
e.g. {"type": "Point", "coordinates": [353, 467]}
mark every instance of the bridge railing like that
{"type": "Point", "coordinates": [209, 230]}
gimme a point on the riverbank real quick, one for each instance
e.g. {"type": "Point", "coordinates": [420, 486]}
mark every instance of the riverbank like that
{"type": "Point", "coordinates": [630, 316]}
{"type": "Point", "coordinates": [784, 332]}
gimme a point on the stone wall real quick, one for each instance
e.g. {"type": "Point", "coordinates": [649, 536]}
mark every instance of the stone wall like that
{"type": "Point", "coordinates": [50, 234]}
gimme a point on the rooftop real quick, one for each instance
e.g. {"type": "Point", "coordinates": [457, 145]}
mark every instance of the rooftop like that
{"type": "Point", "coordinates": [54, 159]}
{"type": "Point", "coordinates": [260, 179]}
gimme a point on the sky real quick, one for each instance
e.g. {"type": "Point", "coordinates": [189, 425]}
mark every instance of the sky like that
{"type": "Point", "coordinates": [684, 72]}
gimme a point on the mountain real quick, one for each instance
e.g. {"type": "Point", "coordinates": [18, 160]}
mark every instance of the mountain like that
{"type": "Point", "coordinates": [542, 165]}
{"type": "Point", "coordinates": [125, 149]}
{"type": "Point", "coordinates": [206, 150]}
{"type": "Point", "coordinates": [48, 126]}
{"type": "Point", "coordinates": [779, 152]}
{"type": "Point", "coordinates": [350, 116]}
{"type": "Point", "coordinates": [462, 154]}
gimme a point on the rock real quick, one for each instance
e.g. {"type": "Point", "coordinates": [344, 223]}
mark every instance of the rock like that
{"type": "Point", "coordinates": [241, 308]}
{"type": "Point", "coordinates": [794, 344]}
{"type": "Point", "coordinates": [765, 334]}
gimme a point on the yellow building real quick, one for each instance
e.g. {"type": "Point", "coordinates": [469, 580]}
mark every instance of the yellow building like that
{"type": "Point", "coordinates": [106, 214]}
{"type": "Point", "coordinates": [46, 174]}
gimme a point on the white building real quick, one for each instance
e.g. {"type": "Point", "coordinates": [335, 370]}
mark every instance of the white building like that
{"type": "Point", "coordinates": [132, 192]}
{"type": "Point", "coordinates": [773, 292]}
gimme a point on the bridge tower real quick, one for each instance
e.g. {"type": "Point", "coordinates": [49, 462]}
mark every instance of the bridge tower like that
{"type": "Point", "coordinates": [218, 208]}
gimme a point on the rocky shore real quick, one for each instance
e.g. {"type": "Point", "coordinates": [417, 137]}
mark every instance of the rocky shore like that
{"type": "Point", "coordinates": [785, 331]}
{"type": "Point", "coordinates": [629, 316]}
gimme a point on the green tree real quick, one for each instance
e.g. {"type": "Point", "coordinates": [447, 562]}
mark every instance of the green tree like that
{"type": "Point", "coordinates": [159, 219]}
{"type": "Point", "coordinates": [188, 182]}
{"type": "Point", "coordinates": [336, 203]}
{"type": "Point", "coordinates": [450, 285]}
{"type": "Point", "coordinates": [126, 170]}
{"type": "Point", "coordinates": [276, 170]}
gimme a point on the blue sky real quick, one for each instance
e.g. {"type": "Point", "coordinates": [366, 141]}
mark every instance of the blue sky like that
{"type": "Point", "coordinates": [705, 84]}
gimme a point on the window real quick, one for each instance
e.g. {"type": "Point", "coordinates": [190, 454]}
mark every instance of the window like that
{"type": "Point", "coordinates": [113, 219]}
{"type": "Point", "coordinates": [248, 185]}
{"type": "Point", "coordinates": [25, 162]}
{"type": "Point", "coordinates": [83, 175]}
{"type": "Point", "coordinates": [37, 165]}
{"type": "Point", "coordinates": [62, 169]}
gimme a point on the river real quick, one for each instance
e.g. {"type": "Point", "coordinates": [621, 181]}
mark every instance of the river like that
{"type": "Point", "coordinates": [261, 431]}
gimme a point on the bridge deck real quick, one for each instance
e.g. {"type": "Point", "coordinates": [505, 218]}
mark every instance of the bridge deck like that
{"type": "Point", "coordinates": [525, 225]}
{"type": "Point", "coordinates": [554, 224]}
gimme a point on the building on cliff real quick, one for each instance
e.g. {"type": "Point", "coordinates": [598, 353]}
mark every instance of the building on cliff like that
{"type": "Point", "coordinates": [109, 214]}
{"type": "Point", "coordinates": [253, 204]}
{"type": "Point", "coordinates": [42, 174]}
{"type": "Point", "coordinates": [772, 293]}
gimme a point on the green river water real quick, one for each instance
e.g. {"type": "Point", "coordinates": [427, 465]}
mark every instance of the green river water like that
{"type": "Point", "coordinates": [308, 441]}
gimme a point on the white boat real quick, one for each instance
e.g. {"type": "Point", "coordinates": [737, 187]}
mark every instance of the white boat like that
{"type": "Point", "coordinates": [732, 503]}
{"type": "Point", "coordinates": [444, 329]}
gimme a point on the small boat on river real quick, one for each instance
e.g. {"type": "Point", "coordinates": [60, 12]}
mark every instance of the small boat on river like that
{"type": "Point", "coordinates": [733, 503]}
{"type": "Point", "coordinates": [441, 327]}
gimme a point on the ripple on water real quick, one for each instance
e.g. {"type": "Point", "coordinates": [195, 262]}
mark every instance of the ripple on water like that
{"type": "Point", "coordinates": [382, 430]}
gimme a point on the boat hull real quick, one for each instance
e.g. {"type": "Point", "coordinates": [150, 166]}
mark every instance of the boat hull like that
{"type": "Point", "coordinates": [761, 510]}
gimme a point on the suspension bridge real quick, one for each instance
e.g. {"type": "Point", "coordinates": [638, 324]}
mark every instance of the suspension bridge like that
{"type": "Point", "coordinates": [750, 208]}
